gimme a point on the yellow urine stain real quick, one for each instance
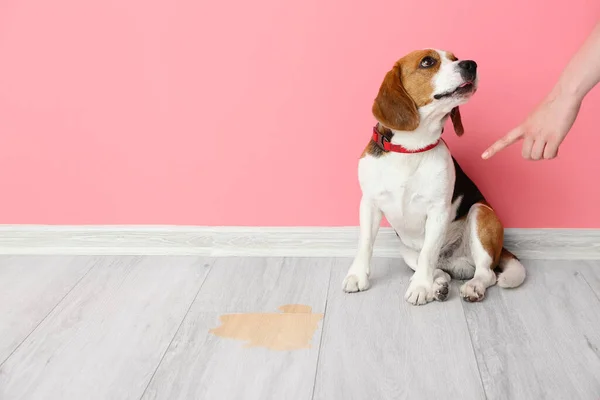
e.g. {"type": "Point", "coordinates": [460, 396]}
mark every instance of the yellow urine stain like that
{"type": "Point", "coordinates": [290, 330]}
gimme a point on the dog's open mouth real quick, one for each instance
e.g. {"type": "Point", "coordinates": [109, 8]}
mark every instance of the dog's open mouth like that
{"type": "Point", "coordinates": [465, 87]}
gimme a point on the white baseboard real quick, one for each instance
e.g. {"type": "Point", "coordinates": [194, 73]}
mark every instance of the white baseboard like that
{"type": "Point", "coordinates": [567, 244]}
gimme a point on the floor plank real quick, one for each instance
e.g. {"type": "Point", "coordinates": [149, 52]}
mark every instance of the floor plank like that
{"type": "Point", "coordinates": [30, 287]}
{"type": "Point", "coordinates": [199, 365]}
{"type": "Point", "coordinates": [106, 338]}
{"type": "Point", "coordinates": [539, 341]}
{"type": "Point", "coordinates": [248, 284]}
{"type": "Point", "coordinates": [591, 273]}
{"type": "Point", "coordinates": [377, 346]}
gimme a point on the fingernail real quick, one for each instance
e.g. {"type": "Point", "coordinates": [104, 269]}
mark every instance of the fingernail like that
{"type": "Point", "coordinates": [485, 155]}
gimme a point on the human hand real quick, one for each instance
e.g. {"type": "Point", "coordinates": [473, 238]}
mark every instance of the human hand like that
{"type": "Point", "coordinates": [544, 129]}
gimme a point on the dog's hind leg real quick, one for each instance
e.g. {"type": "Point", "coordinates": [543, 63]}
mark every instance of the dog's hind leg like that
{"type": "Point", "coordinates": [485, 235]}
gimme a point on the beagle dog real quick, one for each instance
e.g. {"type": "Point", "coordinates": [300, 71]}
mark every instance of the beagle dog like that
{"type": "Point", "coordinates": [445, 226]}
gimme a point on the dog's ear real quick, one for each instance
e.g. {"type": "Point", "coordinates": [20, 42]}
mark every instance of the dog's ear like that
{"type": "Point", "coordinates": [393, 107]}
{"type": "Point", "coordinates": [457, 121]}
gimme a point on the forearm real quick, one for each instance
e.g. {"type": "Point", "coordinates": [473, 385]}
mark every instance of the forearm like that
{"type": "Point", "coordinates": [582, 72]}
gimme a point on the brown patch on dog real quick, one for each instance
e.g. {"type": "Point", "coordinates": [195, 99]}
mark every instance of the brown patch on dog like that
{"type": "Point", "coordinates": [418, 81]}
{"type": "Point", "coordinates": [489, 231]}
{"type": "Point", "coordinates": [505, 256]}
{"type": "Point", "coordinates": [451, 56]}
{"type": "Point", "coordinates": [457, 121]}
{"type": "Point", "coordinates": [292, 329]}
{"type": "Point", "coordinates": [405, 88]}
{"type": "Point", "coordinates": [393, 106]}
{"type": "Point", "coordinates": [372, 148]}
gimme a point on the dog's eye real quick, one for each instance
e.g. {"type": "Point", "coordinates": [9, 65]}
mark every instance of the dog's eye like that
{"type": "Point", "coordinates": [427, 62]}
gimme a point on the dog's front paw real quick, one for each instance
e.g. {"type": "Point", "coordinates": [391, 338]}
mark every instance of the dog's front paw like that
{"type": "Point", "coordinates": [355, 282]}
{"type": "Point", "coordinates": [419, 293]}
{"type": "Point", "coordinates": [441, 283]}
{"type": "Point", "coordinates": [440, 290]}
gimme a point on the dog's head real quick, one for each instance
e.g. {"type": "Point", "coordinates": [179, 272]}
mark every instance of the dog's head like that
{"type": "Point", "coordinates": [425, 84]}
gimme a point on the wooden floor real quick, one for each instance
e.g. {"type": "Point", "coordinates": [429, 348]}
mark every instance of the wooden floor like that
{"type": "Point", "coordinates": [127, 327]}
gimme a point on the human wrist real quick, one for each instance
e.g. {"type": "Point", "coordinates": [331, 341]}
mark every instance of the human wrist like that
{"type": "Point", "coordinates": [569, 91]}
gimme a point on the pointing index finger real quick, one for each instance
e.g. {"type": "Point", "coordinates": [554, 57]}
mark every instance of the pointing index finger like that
{"type": "Point", "coordinates": [502, 143]}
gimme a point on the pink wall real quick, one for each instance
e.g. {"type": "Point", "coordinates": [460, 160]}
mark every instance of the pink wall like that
{"type": "Point", "coordinates": [255, 112]}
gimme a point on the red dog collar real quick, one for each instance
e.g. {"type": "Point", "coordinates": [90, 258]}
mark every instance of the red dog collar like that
{"type": "Point", "coordinates": [386, 145]}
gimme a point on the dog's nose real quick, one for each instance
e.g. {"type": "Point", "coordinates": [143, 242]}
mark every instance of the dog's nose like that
{"type": "Point", "coordinates": [468, 69]}
{"type": "Point", "coordinates": [468, 65]}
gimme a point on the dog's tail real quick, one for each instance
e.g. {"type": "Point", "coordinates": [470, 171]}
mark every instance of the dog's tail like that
{"type": "Point", "coordinates": [511, 273]}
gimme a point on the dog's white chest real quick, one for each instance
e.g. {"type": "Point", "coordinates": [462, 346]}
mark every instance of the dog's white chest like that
{"type": "Point", "coordinates": [396, 190]}
{"type": "Point", "coordinates": [404, 188]}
